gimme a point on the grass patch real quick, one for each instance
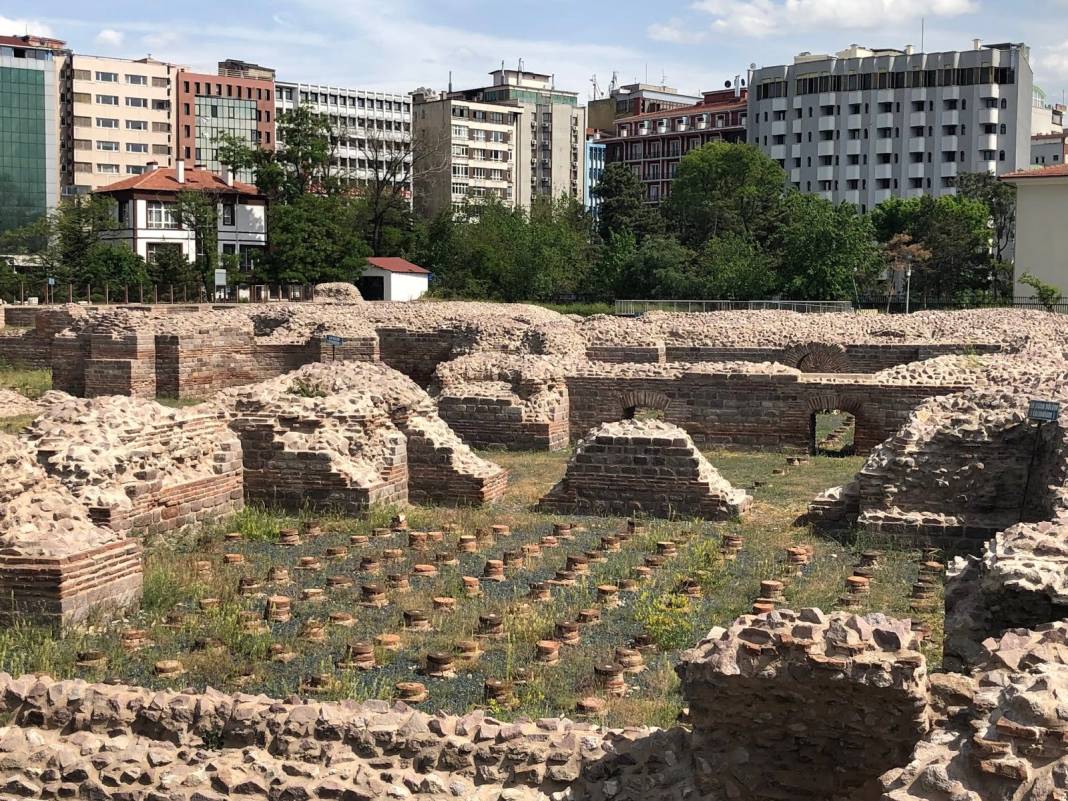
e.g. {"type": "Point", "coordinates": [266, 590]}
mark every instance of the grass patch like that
{"type": "Point", "coordinates": [31, 383]}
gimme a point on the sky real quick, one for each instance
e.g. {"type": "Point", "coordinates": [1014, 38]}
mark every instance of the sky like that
{"type": "Point", "coordinates": [399, 45]}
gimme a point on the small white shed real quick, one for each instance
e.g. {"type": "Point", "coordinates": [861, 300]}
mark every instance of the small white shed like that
{"type": "Point", "coordinates": [393, 278]}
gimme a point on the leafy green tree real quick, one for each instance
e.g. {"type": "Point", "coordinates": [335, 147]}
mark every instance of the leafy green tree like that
{"type": "Point", "coordinates": [607, 273]}
{"type": "Point", "coordinates": [1048, 295]}
{"type": "Point", "coordinates": [725, 188]}
{"type": "Point", "coordinates": [114, 264]}
{"type": "Point", "coordinates": [198, 212]}
{"type": "Point", "coordinates": [315, 238]}
{"type": "Point", "coordinates": [169, 268]}
{"type": "Point", "coordinates": [999, 197]}
{"type": "Point", "coordinates": [623, 209]}
{"type": "Point", "coordinates": [661, 267]}
{"type": "Point", "coordinates": [826, 250]}
{"type": "Point", "coordinates": [735, 268]}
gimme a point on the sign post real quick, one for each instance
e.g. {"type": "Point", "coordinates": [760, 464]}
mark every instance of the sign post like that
{"type": "Point", "coordinates": [1041, 412]}
{"type": "Point", "coordinates": [333, 341]}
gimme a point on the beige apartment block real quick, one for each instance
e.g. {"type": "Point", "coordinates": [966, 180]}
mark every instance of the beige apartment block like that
{"type": "Point", "coordinates": [116, 117]}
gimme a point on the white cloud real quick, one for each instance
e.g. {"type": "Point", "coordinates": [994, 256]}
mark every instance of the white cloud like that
{"type": "Point", "coordinates": [676, 32]}
{"type": "Point", "coordinates": [767, 17]}
{"type": "Point", "coordinates": [110, 37]}
{"type": "Point", "coordinates": [20, 25]}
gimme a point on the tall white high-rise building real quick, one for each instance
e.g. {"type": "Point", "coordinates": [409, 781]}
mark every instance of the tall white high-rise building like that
{"type": "Point", "coordinates": [865, 125]}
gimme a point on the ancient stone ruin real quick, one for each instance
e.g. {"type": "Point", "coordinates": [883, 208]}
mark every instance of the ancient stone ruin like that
{"type": "Point", "coordinates": [56, 564]}
{"type": "Point", "coordinates": [136, 465]}
{"type": "Point", "coordinates": [346, 436]}
{"type": "Point", "coordinates": [643, 467]}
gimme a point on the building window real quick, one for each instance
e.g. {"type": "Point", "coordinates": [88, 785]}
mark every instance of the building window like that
{"type": "Point", "coordinates": [161, 215]}
{"type": "Point", "coordinates": [107, 77]}
{"type": "Point", "coordinates": [136, 147]}
{"type": "Point", "coordinates": [134, 169]}
{"type": "Point", "coordinates": [124, 212]}
{"type": "Point", "coordinates": [103, 144]}
{"type": "Point", "coordinates": [137, 80]}
{"type": "Point", "coordinates": [137, 102]}
{"type": "Point", "coordinates": [107, 100]}
{"type": "Point", "coordinates": [107, 169]}
{"type": "Point", "coordinates": [154, 250]}
{"type": "Point", "coordinates": [106, 122]}
{"type": "Point", "coordinates": [229, 216]}
{"type": "Point", "coordinates": [136, 125]}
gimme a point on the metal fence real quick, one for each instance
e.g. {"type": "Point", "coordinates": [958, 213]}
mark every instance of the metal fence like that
{"type": "Point", "coordinates": [897, 304]}
{"type": "Point", "coordinates": [632, 308]}
{"type": "Point", "coordinates": [112, 294]}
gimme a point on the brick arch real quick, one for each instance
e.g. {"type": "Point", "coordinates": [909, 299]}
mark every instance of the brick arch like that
{"type": "Point", "coordinates": [826, 401]}
{"type": "Point", "coordinates": [643, 399]}
{"type": "Point", "coordinates": [817, 357]}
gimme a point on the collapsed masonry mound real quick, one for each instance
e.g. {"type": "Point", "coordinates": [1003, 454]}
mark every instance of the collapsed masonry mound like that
{"type": "Point", "coordinates": [1002, 737]}
{"type": "Point", "coordinates": [56, 564]}
{"type": "Point", "coordinates": [518, 402]}
{"type": "Point", "coordinates": [1019, 582]}
{"type": "Point", "coordinates": [805, 705]}
{"type": "Point", "coordinates": [349, 435]}
{"type": "Point", "coordinates": [963, 467]}
{"type": "Point", "coordinates": [336, 292]}
{"type": "Point", "coordinates": [73, 739]}
{"type": "Point", "coordinates": [136, 465]}
{"type": "Point", "coordinates": [14, 404]}
{"type": "Point", "coordinates": [643, 467]}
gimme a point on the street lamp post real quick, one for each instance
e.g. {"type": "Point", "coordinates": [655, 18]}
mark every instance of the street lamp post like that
{"type": "Point", "coordinates": [908, 287]}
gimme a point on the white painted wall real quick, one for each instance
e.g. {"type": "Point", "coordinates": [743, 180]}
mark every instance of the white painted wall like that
{"type": "Point", "coordinates": [400, 286]}
{"type": "Point", "coordinates": [1041, 235]}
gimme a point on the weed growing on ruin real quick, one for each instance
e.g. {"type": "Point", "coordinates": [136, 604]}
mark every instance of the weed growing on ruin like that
{"type": "Point", "coordinates": [31, 383]}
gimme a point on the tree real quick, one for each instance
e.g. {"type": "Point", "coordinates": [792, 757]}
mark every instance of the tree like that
{"type": "Point", "coordinates": [735, 268]}
{"type": "Point", "coordinates": [902, 255]}
{"type": "Point", "coordinates": [169, 268]}
{"type": "Point", "coordinates": [826, 250]}
{"type": "Point", "coordinates": [622, 208]}
{"type": "Point", "coordinates": [1048, 295]}
{"type": "Point", "coordinates": [999, 197]}
{"type": "Point", "coordinates": [198, 212]}
{"type": "Point", "coordinates": [315, 239]}
{"type": "Point", "coordinates": [725, 188]}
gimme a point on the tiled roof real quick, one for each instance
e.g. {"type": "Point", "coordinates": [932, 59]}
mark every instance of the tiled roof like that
{"type": "Point", "coordinates": [165, 179]}
{"type": "Point", "coordinates": [1055, 171]}
{"type": "Point", "coordinates": [395, 264]}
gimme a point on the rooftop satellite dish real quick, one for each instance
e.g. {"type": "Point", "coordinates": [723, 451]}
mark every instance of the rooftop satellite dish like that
{"type": "Point", "coordinates": [726, 84]}
{"type": "Point", "coordinates": [752, 65]}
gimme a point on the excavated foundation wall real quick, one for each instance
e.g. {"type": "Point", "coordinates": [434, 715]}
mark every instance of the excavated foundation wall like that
{"type": "Point", "coordinates": [746, 410]}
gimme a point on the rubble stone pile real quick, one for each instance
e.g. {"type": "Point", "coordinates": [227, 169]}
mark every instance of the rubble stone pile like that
{"type": "Point", "coordinates": [805, 705]}
{"type": "Point", "coordinates": [56, 564]}
{"type": "Point", "coordinates": [643, 467]}
{"type": "Point", "coordinates": [336, 292]}
{"type": "Point", "coordinates": [136, 465]}
{"type": "Point", "coordinates": [14, 404]}
{"type": "Point", "coordinates": [349, 435]}
{"type": "Point", "coordinates": [504, 400]}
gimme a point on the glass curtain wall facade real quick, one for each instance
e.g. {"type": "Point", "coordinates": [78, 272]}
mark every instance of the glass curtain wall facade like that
{"type": "Point", "coordinates": [219, 115]}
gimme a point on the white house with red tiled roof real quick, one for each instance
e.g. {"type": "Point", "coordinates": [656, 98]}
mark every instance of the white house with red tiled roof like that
{"type": "Point", "coordinates": [148, 219]}
{"type": "Point", "coordinates": [1041, 235]}
{"type": "Point", "coordinates": [393, 278]}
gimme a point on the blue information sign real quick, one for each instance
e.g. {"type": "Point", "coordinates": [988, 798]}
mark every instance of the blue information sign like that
{"type": "Point", "coordinates": [1043, 411]}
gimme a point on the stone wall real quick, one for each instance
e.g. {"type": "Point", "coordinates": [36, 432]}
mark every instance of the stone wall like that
{"type": "Point", "coordinates": [805, 705]}
{"type": "Point", "coordinates": [137, 466]}
{"type": "Point", "coordinates": [643, 467]}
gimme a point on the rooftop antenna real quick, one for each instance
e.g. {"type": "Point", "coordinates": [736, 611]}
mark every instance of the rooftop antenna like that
{"type": "Point", "coordinates": [663, 78]}
{"type": "Point", "coordinates": [646, 72]}
{"type": "Point", "coordinates": [615, 82]}
{"type": "Point", "coordinates": [923, 30]}
{"type": "Point", "coordinates": [450, 82]}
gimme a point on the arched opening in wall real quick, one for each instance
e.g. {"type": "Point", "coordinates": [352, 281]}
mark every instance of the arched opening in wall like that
{"type": "Point", "coordinates": [832, 432]}
{"type": "Point", "coordinates": [643, 405]}
{"type": "Point", "coordinates": [642, 413]}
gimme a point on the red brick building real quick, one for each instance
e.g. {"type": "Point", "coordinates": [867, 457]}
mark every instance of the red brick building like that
{"type": "Point", "coordinates": [652, 144]}
{"type": "Point", "coordinates": [208, 105]}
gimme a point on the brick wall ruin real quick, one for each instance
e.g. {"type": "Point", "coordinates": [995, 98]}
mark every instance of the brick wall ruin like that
{"type": "Point", "coordinates": [643, 467]}
{"type": "Point", "coordinates": [56, 565]}
{"type": "Point", "coordinates": [350, 435]}
{"type": "Point", "coordinates": [136, 465]}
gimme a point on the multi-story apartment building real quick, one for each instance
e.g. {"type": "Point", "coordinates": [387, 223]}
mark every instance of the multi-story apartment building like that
{"type": "Point", "coordinates": [1048, 149]}
{"type": "Point", "coordinates": [368, 128]}
{"type": "Point", "coordinates": [115, 118]}
{"type": "Point", "coordinates": [595, 161]}
{"type": "Point", "coordinates": [631, 100]}
{"type": "Point", "coordinates": [865, 125]}
{"type": "Point", "coordinates": [546, 153]}
{"type": "Point", "coordinates": [1046, 117]}
{"type": "Point", "coordinates": [207, 106]}
{"type": "Point", "coordinates": [468, 151]}
{"type": "Point", "coordinates": [652, 144]}
{"type": "Point", "coordinates": [29, 128]}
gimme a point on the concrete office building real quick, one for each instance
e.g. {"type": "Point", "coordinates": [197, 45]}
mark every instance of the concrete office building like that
{"type": "Point", "coordinates": [547, 151]}
{"type": "Point", "coordinates": [365, 125]}
{"type": "Point", "coordinates": [115, 118]}
{"type": "Point", "coordinates": [865, 125]}
{"type": "Point", "coordinates": [29, 128]}
{"type": "Point", "coordinates": [595, 160]}
{"type": "Point", "coordinates": [209, 105]}
{"type": "Point", "coordinates": [631, 100]}
{"type": "Point", "coordinates": [1048, 149]}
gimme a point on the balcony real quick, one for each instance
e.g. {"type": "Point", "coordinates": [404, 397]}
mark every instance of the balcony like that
{"type": "Point", "coordinates": [828, 99]}
{"type": "Point", "coordinates": [884, 171]}
{"type": "Point", "coordinates": [778, 151]}
{"type": "Point", "coordinates": [989, 167]}
{"type": "Point", "coordinates": [854, 147]}
{"type": "Point", "coordinates": [884, 96]}
{"type": "Point", "coordinates": [778, 128]}
{"type": "Point", "coordinates": [854, 121]}
{"type": "Point", "coordinates": [914, 191]}
{"type": "Point", "coordinates": [951, 117]}
{"type": "Point", "coordinates": [825, 173]}
{"type": "Point", "coordinates": [919, 93]}
{"type": "Point", "coordinates": [917, 118]}
{"type": "Point", "coordinates": [778, 104]}
{"type": "Point", "coordinates": [795, 126]}
{"type": "Point", "coordinates": [951, 92]}
{"type": "Point", "coordinates": [916, 170]}
{"type": "Point", "coordinates": [950, 143]}
{"type": "Point", "coordinates": [795, 175]}
{"type": "Point", "coordinates": [879, 195]}
{"type": "Point", "coordinates": [917, 144]}
{"type": "Point", "coordinates": [884, 120]}
{"type": "Point", "coordinates": [987, 116]}
{"type": "Point", "coordinates": [948, 169]}
{"type": "Point", "coordinates": [855, 97]}
{"type": "Point", "coordinates": [986, 142]}
{"type": "Point", "coordinates": [989, 90]}
{"type": "Point", "coordinates": [827, 122]}
{"type": "Point", "coordinates": [826, 194]}
{"type": "Point", "coordinates": [851, 196]}
{"type": "Point", "coordinates": [795, 150]}
{"type": "Point", "coordinates": [885, 145]}
{"type": "Point", "coordinates": [825, 148]}
{"type": "Point", "coordinates": [852, 172]}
